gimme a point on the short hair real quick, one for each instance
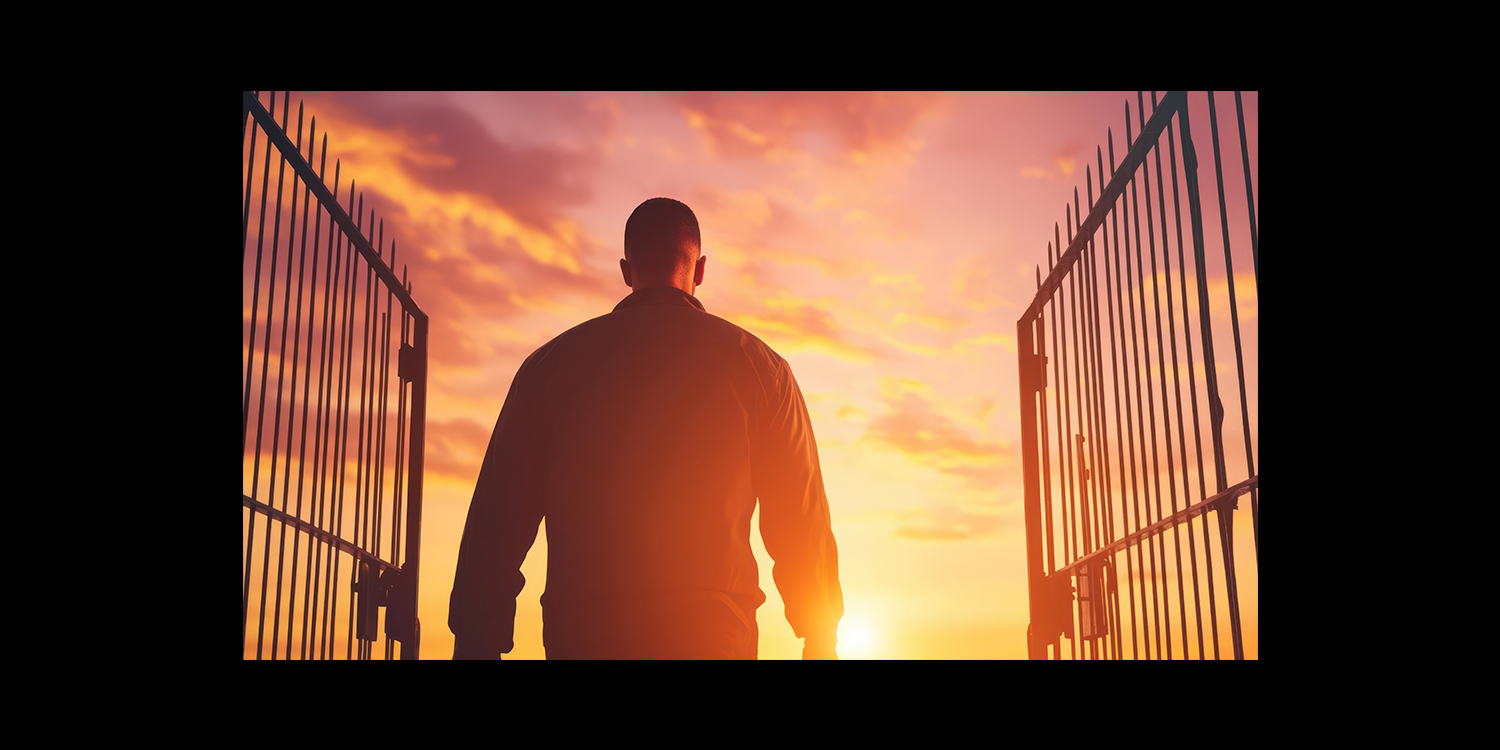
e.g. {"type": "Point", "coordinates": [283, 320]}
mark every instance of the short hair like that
{"type": "Point", "coordinates": [661, 237]}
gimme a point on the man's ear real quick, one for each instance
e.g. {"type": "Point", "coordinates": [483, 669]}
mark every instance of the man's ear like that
{"type": "Point", "coordinates": [625, 272]}
{"type": "Point", "coordinates": [698, 271]}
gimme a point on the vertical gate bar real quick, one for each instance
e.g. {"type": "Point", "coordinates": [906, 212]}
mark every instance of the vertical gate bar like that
{"type": "Point", "coordinates": [260, 241]}
{"type": "Point", "coordinates": [1231, 583]}
{"type": "Point", "coordinates": [1102, 456]}
{"type": "Point", "coordinates": [1255, 264]}
{"type": "Point", "coordinates": [366, 411]}
{"type": "Point", "coordinates": [346, 349]}
{"type": "Point", "coordinates": [1089, 377]}
{"type": "Point", "coordinates": [377, 417]}
{"type": "Point", "coordinates": [1040, 402]}
{"type": "Point", "coordinates": [1144, 342]}
{"type": "Point", "coordinates": [397, 494]}
{"type": "Point", "coordinates": [1187, 335]}
{"type": "Point", "coordinates": [1031, 487]}
{"type": "Point", "coordinates": [1081, 485]}
{"type": "Point", "coordinates": [1144, 547]}
{"type": "Point", "coordinates": [309, 595]}
{"type": "Point", "coordinates": [1123, 442]}
{"type": "Point", "coordinates": [366, 437]}
{"type": "Point", "coordinates": [1079, 377]}
{"type": "Point", "coordinates": [368, 398]}
{"type": "Point", "coordinates": [1088, 479]}
{"type": "Point", "coordinates": [249, 364]}
{"type": "Point", "coordinates": [306, 379]}
{"type": "Point", "coordinates": [249, 180]}
{"type": "Point", "coordinates": [359, 602]}
{"type": "Point", "coordinates": [286, 314]}
{"type": "Point", "coordinates": [1041, 415]}
{"type": "Point", "coordinates": [396, 486]}
{"type": "Point", "coordinates": [1095, 481]}
{"type": "Point", "coordinates": [250, 367]}
{"type": "Point", "coordinates": [384, 428]}
{"type": "Point", "coordinates": [1064, 425]}
{"type": "Point", "coordinates": [1210, 370]}
{"type": "Point", "coordinates": [1239, 359]}
{"type": "Point", "coordinates": [264, 372]}
{"type": "Point", "coordinates": [1177, 389]}
{"type": "Point", "coordinates": [1161, 367]}
{"type": "Point", "coordinates": [1068, 311]}
{"type": "Point", "coordinates": [1062, 503]}
{"type": "Point", "coordinates": [1249, 194]}
{"type": "Point", "coordinates": [385, 334]}
{"type": "Point", "coordinates": [385, 366]}
{"type": "Point", "coordinates": [1075, 446]}
{"type": "Point", "coordinates": [326, 405]}
{"type": "Point", "coordinates": [354, 601]}
{"type": "Point", "coordinates": [1057, 416]}
{"type": "Point", "coordinates": [1117, 484]}
{"type": "Point", "coordinates": [412, 566]}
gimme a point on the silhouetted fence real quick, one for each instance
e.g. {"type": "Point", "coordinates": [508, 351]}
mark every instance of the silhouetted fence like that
{"type": "Point", "coordinates": [335, 357]}
{"type": "Point", "coordinates": [1118, 363]}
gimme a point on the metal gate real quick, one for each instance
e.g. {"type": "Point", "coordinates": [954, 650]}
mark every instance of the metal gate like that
{"type": "Point", "coordinates": [1122, 559]}
{"type": "Point", "coordinates": [333, 414]}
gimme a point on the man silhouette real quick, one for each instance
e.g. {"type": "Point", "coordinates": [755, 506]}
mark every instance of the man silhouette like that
{"type": "Point", "coordinates": [645, 437]}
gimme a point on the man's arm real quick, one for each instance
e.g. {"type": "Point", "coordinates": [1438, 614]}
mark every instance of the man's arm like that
{"type": "Point", "coordinates": [794, 521]}
{"type": "Point", "coordinates": [501, 528]}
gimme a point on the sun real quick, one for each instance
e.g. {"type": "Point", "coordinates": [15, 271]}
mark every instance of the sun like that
{"type": "Point", "coordinates": [858, 639]}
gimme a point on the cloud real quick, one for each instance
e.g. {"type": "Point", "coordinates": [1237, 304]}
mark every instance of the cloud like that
{"type": "Point", "coordinates": [450, 150]}
{"type": "Point", "coordinates": [789, 324]}
{"type": "Point", "coordinates": [773, 126]}
{"type": "Point", "coordinates": [947, 523]}
{"type": "Point", "coordinates": [484, 223]}
{"type": "Point", "coordinates": [456, 447]}
{"type": "Point", "coordinates": [913, 427]}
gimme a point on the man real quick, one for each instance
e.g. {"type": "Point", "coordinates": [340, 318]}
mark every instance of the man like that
{"type": "Point", "coordinates": [645, 437]}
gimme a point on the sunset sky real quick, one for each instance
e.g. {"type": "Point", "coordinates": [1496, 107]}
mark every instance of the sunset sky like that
{"type": "Point", "coordinates": [883, 243]}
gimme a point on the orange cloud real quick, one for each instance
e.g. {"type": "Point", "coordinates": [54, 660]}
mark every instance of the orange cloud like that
{"type": "Point", "coordinates": [791, 325]}
{"type": "Point", "coordinates": [456, 447]}
{"type": "Point", "coordinates": [948, 522]}
{"type": "Point", "coordinates": [913, 427]}
{"type": "Point", "coordinates": [774, 125]}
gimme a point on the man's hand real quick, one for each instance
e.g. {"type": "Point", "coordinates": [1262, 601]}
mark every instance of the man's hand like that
{"type": "Point", "coordinates": [819, 648]}
{"type": "Point", "coordinates": [470, 647]}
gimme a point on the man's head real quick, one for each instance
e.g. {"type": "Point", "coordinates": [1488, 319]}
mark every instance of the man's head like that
{"type": "Point", "coordinates": [663, 246]}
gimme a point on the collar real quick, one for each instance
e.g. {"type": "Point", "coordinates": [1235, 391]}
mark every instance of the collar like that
{"type": "Point", "coordinates": [660, 295]}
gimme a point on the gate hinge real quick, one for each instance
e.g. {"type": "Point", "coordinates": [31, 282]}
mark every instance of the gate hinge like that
{"type": "Point", "coordinates": [1094, 586]}
{"type": "Point", "coordinates": [1035, 371]}
{"type": "Point", "coordinates": [392, 590]}
{"type": "Point", "coordinates": [1056, 615]}
{"type": "Point", "coordinates": [409, 366]}
{"type": "Point", "coordinates": [400, 606]}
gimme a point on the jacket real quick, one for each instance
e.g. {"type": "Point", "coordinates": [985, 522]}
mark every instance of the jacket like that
{"type": "Point", "coordinates": [644, 437]}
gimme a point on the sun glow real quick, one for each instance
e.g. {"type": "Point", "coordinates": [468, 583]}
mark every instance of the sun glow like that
{"type": "Point", "coordinates": [858, 639]}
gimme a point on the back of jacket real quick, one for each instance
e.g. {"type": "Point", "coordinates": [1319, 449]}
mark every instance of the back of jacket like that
{"type": "Point", "coordinates": [645, 438]}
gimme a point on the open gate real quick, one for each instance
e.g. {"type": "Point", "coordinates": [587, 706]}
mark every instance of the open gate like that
{"type": "Point", "coordinates": [335, 393]}
{"type": "Point", "coordinates": [1122, 558]}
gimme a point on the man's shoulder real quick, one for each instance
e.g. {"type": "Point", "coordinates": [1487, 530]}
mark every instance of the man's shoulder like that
{"type": "Point", "coordinates": [746, 340]}
{"type": "Point", "coordinates": [701, 330]}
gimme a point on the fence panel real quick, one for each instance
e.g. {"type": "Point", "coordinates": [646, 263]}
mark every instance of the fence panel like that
{"type": "Point", "coordinates": [334, 352]}
{"type": "Point", "coordinates": [1138, 436]}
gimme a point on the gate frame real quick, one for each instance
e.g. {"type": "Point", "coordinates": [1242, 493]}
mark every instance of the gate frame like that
{"type": "Point", "coordinates": [379, 583]}
{"type": "Point", "coordinates": [1051, 597]}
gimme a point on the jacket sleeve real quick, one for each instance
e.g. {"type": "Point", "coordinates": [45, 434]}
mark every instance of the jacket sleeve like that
{"type": "Point", "coordinates": [501, 528]}
{"type": "Point", "coordinates": [794, 521]}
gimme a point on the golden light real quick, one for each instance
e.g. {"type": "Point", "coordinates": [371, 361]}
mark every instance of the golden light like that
{"type": "Point", "coordinates": [858, 639]}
